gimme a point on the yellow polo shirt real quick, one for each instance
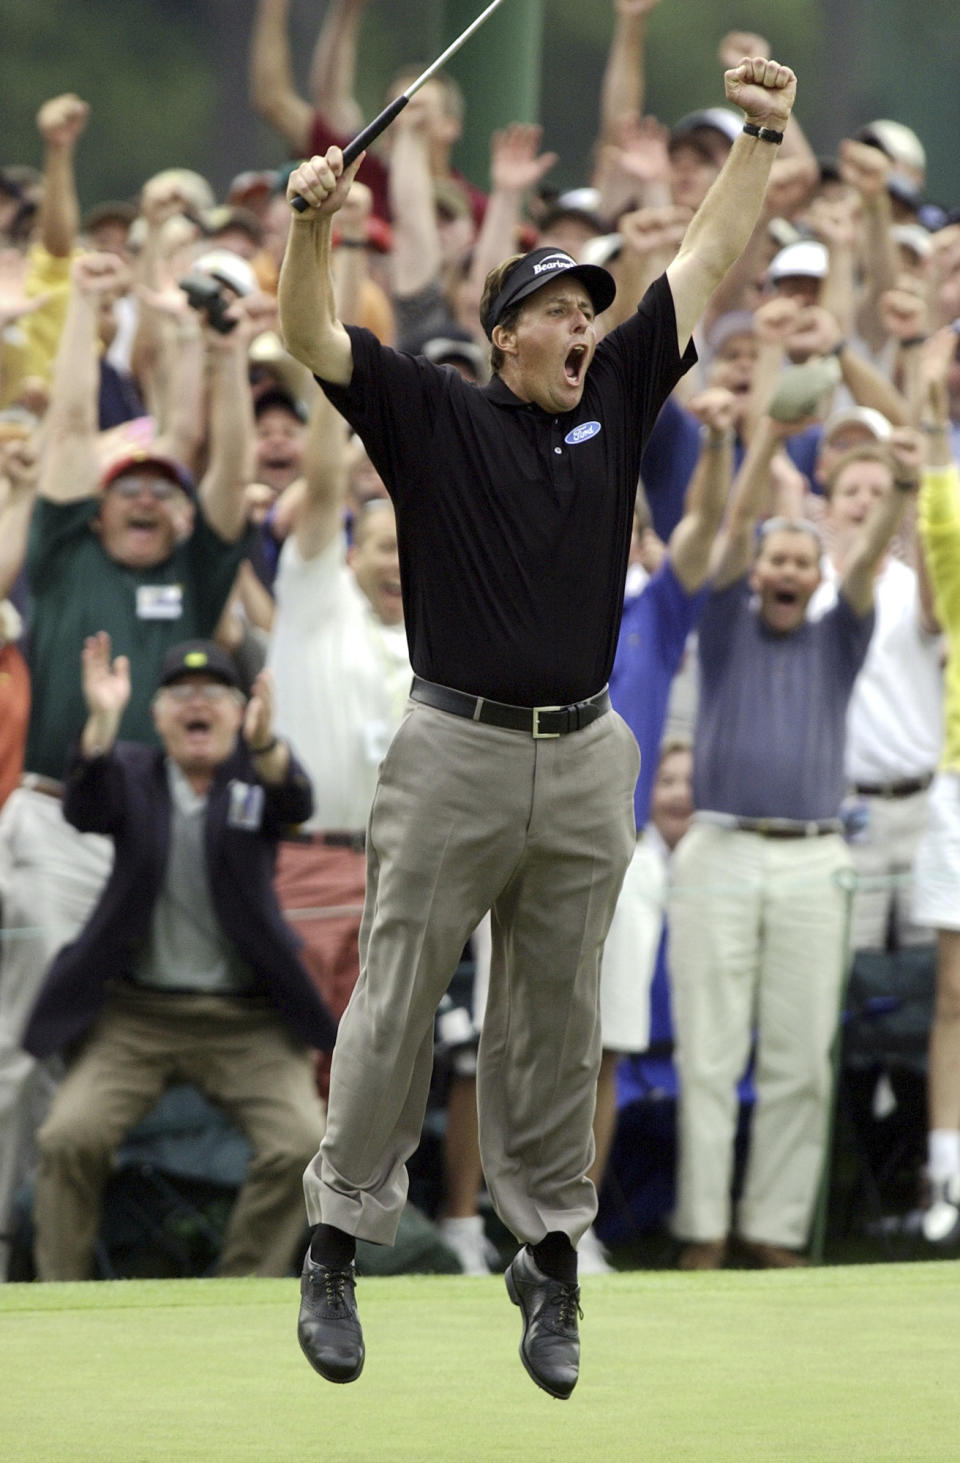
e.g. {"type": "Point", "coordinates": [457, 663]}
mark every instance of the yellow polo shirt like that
{"type": "Point", "coordinates": [938, 517]}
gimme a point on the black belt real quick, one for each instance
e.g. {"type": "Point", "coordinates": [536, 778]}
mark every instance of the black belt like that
{"type": "Point", "coordinates": [538, 721]}
{"type": "Point", "coordinates": [770, 828]}
{"type": "Point", "coordinates": [905, 788]}
{"type": "Point", "coordinates": [355, 839]}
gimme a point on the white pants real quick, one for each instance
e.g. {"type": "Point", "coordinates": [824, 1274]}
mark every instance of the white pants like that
{"type": "Point", "coordinates": [883, 856]}
{"type": "Point", "coordinates": [757, 942]}
{"type": "Point", "coordinates": [630, 953]}
{"type": "Point", "coordinates": [52, 877]}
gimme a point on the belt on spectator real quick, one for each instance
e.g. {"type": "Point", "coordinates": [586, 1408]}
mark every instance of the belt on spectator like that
{"type": "Point", "coordinates": [331, 838]}
{"type": "Point", "coordinates": [36, 782]}
{"type": "Point", "coordinates": [774, 828]}
{"type": "Point", "coordinates": [905, 788]}
{"type": "Point", "coordinates": [538, 721]}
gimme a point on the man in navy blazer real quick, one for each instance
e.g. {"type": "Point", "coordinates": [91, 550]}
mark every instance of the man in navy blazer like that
{"type": "Point", "coordinates": [186, 969]}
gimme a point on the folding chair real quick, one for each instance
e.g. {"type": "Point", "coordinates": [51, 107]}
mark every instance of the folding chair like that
{"type": "Point", "coordinates": [176, 1176]}
{"type": "Point", "coordinates": [881, 1091]}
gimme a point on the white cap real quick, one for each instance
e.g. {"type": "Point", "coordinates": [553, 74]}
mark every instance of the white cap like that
{"type": "Point", "coordinates": [583, 200]}
{"type": "Point", "coordinates": [229, 269]}
{"type": "Point", "coordinates": [720, 119]}
{"type": "Point", "coordinates": [857, 416]}
{"type": "Point", "coordinates": [900, 143]}
{"type": "Point", "coordinates": [807, 257]}
{"type": "Point", "coordinates": [601, 249]}
{"type": "Point", "coordinates": [913, 236]}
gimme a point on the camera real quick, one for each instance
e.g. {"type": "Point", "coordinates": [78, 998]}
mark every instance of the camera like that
{"type": "Point", "coordinates": [206, 294]}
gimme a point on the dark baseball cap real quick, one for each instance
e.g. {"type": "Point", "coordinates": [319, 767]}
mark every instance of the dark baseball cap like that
{"type": "Point", "coordinates": [277, 398]}
{"type": "Point", "coordinates": [540, 267]}
{"type": "Point", "coordinates": [199, 657]}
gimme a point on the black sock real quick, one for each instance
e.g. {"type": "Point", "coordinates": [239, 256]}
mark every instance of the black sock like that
{"type": "Point", "coordinates": [332, 1247]}
{"type": "Point", "coordinates": [556, 1257]}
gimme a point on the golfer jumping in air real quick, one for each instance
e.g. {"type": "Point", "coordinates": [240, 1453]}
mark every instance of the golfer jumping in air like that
{"type": "Point", "coordinates": [509, 784]}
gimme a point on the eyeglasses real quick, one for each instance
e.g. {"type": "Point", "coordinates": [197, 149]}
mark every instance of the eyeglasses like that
{"type": "Point", "coordinates": [131, 486]}
{"type": "Point", "coordinates": [211, 691]}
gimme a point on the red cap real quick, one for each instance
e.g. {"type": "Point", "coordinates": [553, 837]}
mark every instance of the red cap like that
{"type": "Point", "coordinates": [142, 457]}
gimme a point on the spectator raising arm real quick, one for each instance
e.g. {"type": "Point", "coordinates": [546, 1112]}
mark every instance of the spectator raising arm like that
{"type": "Point", "coordinates": [272, 92]}
{"type": "Point", "coordinates": [222, 488]}
{"type": "Point", "coordinates": [516, 167]}
{"type": "Point", "coordinates": [416, 238]}
{"type": "Point", "coordinates": [60, 122]}
{"type": "Point", "coordinates": [624, 82]}
{"type": "Point", "coordinates": [749, 501]}
{"type": "Point", "coordinates": [70, 469]}
{"type": "Point", "coordinates": [333, 66]}
{"type": "Point", "coordinates": [18, 470]}
{"type": "Point", "coordinates": [693, 538]}
{"type": "Point", "coordinates": [318, 516]}
{"type": "Point", "coordinates": [867, 169]}
{"type": "Point", "coordinates": [106, 691]}
{"type": "Point", "coordinates": [856, 583]}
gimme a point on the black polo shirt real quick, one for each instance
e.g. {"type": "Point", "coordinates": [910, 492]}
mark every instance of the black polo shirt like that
{"type": "Point", "coordinates": [514, 524]}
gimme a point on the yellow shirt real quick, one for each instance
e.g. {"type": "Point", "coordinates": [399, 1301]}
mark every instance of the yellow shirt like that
{"type": "Point", "coordinates": [938, 516]}
{"type": "Point", "coordinates": [28, 348]}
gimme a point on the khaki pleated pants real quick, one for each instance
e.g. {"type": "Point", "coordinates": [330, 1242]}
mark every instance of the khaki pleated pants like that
{"type": "Point", "coordinates": [238, 1052]}
{"type": "Point", "coordinates": [467, 818]}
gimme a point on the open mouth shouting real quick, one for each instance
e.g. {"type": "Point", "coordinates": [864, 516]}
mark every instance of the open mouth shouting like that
{"type": "Point", "coordinates": [575, 364]}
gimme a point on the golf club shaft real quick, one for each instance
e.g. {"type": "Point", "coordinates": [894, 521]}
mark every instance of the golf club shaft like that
{"type": "Point", "coordinates": [382, 121]}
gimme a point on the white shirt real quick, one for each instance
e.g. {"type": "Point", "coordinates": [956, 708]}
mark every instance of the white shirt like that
{"type": "Point", "coordinates": [341, 677]}
{"type": "Point", "coordinates": [895, 716]}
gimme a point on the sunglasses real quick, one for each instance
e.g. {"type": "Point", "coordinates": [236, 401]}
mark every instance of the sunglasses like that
{"type": "Point", "coordinates": [131, 487]}
{"type": "Point", "coordinates": [213, 692]}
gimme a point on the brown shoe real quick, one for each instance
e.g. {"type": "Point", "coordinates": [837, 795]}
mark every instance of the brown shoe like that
{"type": "Point", "coordinates": [772, 1257]}
{"type": "Point", "coordinates": [704, 1255]}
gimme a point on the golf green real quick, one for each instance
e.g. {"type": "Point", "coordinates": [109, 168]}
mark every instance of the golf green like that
{"type": "Point", "coordinates": [839, 1363]}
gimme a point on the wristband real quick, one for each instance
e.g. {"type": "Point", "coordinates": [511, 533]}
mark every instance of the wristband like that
{"type": "Point", "coordinates": [268, 747]}
{"type": "Point", "coordinates": [912, 341]}
{"type": "Point", "coordinates": [765, 134]}
{"type": "Point", "coordinates": [715, 440]}
{"type": "Point", "coordinates": [351, 243]}
{"type": "Point", "coordinates": [902, 486]}
{"type": "Point", "coordinates": [838, 349]}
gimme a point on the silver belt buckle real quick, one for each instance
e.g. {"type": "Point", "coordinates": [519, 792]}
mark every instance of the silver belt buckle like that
{"type": "Point", "coordinates": [536, 732]}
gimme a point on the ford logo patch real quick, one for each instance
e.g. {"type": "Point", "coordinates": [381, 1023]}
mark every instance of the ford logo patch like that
{"type": "Point", "coordinates": [583, 433]}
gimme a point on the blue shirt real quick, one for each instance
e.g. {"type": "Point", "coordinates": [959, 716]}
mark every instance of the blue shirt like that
{"type": "Point", "coordinates": [771, 720]}
{"type": "Point", "coordinates": [653, 633]}
{"type": "Point", "coordinates": [671, 455]}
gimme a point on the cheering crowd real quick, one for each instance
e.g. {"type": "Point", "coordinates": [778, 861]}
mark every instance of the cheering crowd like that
{"type": "Point", "coordinates": [204, 659]}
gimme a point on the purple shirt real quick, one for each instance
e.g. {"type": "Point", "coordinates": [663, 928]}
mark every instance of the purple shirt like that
{"type": "Point", "coordinates": [771, 720]}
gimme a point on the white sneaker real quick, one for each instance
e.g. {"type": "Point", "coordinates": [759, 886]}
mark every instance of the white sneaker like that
{"type": "Point", "coordinates": [592, 1257]}
{"type": "Point", "coordinates": [941, 1219]}
{"type": "Point", "coordinates": [468, 1240]}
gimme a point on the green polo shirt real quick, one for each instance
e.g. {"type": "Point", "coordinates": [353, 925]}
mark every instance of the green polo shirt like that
{"type": "Point", "coordinates": [77, 589]}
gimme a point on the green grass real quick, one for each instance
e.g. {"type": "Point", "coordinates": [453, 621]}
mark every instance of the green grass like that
{"type": "Point", "coordinates": [839, 1363]}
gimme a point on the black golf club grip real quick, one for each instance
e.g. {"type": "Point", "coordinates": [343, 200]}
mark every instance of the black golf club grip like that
{"type": "Point", "coordinates": [362, 141]}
